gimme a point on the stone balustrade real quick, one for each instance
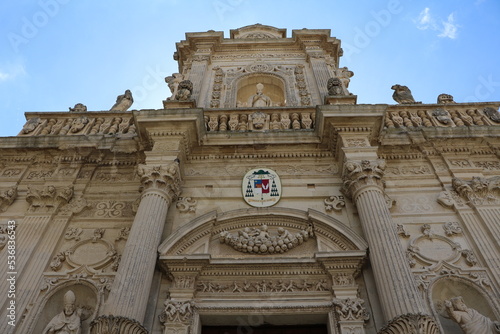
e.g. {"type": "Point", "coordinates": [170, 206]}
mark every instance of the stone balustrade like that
{"type": "Point", "coordinates": [442, 115]}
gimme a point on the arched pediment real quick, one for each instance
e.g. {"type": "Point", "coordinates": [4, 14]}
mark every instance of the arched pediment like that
{"type": "Point", "coordinates": [257, 31]}
{"type": "Point", "coordinates": [204, 235]}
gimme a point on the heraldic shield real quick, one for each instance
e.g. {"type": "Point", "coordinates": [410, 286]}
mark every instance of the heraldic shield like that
{"type": "Point", "coordinates": [261, 187]}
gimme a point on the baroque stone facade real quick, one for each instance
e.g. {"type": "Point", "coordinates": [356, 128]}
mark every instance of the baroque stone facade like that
{"type": "Point", "coordinates": [385, 219]}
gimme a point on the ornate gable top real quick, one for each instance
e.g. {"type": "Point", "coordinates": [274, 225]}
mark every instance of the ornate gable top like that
{"type": "Point", "coordinates": [257, 31]}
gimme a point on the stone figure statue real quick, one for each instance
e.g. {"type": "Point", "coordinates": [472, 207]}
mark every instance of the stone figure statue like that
{"type": "Point", "coordinates": [173, 83]}
{"type": "Point", "coordinates": [445, 99]}
{"type": "Point", "coordinates": [402, 95]}
{"type": "Point", "coordinates": [470, 320]}
{"type": "Point", "coordinates": [259, 99]}
{"type": "Point", "coordinates": [68, 321]}
{"type": "Point", "coordinates": [184, 91]}
{"type": "Point", "coordinates": [493, 114]}
{"type": "Point", "coordinates": [345, 76]}
{"type": "Point", "coordinates": [334, 86]}
{"type": "Point", "coordinates": [123, 102]}
{"type": "Point", "coordinates": [79, 107]}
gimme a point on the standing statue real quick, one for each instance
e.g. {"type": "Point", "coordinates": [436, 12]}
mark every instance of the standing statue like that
{"type": "Point", "coordinates": [470, 320]}
{"type": "Point", "coordinates": [123, 102]}
{"type": "Point", "coordinates": [345, 76]}
{"type": "Point", "coordinates": [402, 95]}
{"type": "Point", "coordinates": [259, 99]}
{"type": "Point", "coordinates": [173, 83]}
{"type": "Point", "coordinates": [68, 321]}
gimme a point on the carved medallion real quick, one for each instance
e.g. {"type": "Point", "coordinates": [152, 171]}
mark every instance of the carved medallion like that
{"type": "Point", "coordinates": [261, 187]}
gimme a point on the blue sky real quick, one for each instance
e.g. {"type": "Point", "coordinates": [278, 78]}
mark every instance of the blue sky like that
{"type": "Point", "coordinates": [56, 53]}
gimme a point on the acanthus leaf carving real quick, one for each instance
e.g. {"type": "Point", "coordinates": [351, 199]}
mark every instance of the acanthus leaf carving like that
{"type": "Point", "coordinates": [161, 177]}
{"type": "Point", "coordinates": [358, 174]}
{"type": "Point", "coordinates": [49, 197]}
{"type": "Point", "coordinates": [177, 311]}
{"type": "Point", "coordinates": [411, 323]}
{"type": "Point", "coordinates": [478, 191]}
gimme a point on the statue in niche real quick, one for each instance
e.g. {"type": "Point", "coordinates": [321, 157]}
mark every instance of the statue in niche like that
{"type": "Point", "coordinates": [68, 321]}
{"type": "Point", "coordinates": [470, 320]}
{"type": "Point", "coordinates": [259, 99]}
{"type": "Point", "coordinates": [334, 86]}
{"type": "Point", "coordinates": [123, 102]}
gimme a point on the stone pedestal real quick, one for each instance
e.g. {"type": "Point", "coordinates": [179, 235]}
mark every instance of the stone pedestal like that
{"type": "Point", "coordinates": [341, 99]}
{"type": "Point", "coordinates": [176, 104]}
{"type": "Point", "coordinates": [130, 292]}
{"type": "Point", "coordinates": [397, 287]}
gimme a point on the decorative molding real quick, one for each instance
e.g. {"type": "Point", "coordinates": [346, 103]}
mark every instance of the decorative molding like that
{"type": "Point", "coordinates": [360, 174]}
{"type": "Point", "coordinates": [452, 228]}
{"type": "Point", "coordinates": [259, 241]}
{"type": "Point", "coordinates": [124, 232]}
{"type": "Point", "coordinates": [400, 229]}
{"type": "Point", "coordinates": [106, 324]}
{"type": "Point", "coordinates": [334, 203]}
{"type": "Point", "coordinates": [411, 324]}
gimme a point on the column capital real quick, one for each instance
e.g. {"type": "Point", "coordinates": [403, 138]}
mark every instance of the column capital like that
{"type": "Point", "coordinates": [407, 323]}
{"type": "Point", "coordinates": [357, 175]}
{"type": "Point", "coordinates": [111, 324]}
{"type": "Point", "coordinates": [163, 178]}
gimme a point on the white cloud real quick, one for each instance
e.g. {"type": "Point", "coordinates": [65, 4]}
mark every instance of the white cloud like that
{"type": "Point", "coordinates": [10, 72]}
{"type": "Point", "coordinates": [447, 29]}
{"type": "Point", "coordinates": [424, 20]}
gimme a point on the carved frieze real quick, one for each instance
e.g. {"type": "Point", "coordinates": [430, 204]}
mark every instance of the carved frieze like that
{"type": "Point", "coordinates": [177, 311]}
{"type": "Point", "coordinates": [261, 286]}
{"type": "Point", "coordinates": [260, 241]}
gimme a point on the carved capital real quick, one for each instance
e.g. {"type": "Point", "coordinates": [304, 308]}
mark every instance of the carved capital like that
{"type": "Point", "coordinates": [478, 191]}
{"type": "Point", "coordinates": [48, 198]}
{"type": "Point", "coordinates": [350, 309]}
{"type": "Point", "coordinates": [177, 312]}
{"type": "Point", "coordinates": [411, 323]}
{"type": "Point", "coordinates": [110, 324]}
{"type": "Point", "coordinates": [361, 174]}
{"type": "Point", "coordinates": [166, 178]}
{"type": "Point", "coordinates": [7, 196]}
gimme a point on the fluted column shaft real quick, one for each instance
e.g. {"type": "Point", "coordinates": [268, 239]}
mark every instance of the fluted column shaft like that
{"type": "Point", "coordinates": [130, 291]}
{"type": "Point", "coordinates": [395, 283]}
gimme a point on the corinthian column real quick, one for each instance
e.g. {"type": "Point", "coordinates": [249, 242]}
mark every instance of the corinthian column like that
{"type": "Point", "coordinates": [395, 283]}
{"type": "Point", "coordinates": [130, 291]}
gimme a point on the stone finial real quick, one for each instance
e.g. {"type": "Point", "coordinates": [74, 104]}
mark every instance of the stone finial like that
{"type": "Point", "coordinates": [334, 86]}
{"type": "Point", "coordinates": [123, 102]}
{"type": "Point", "coordinates": [402, 95]}
{"type": "Point", "coordinates": [79, 107]}
{"type": "Point", "coordinates": [445, 99]}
